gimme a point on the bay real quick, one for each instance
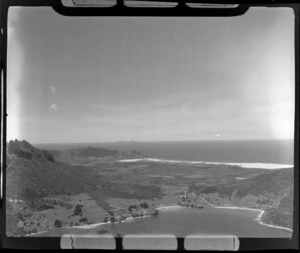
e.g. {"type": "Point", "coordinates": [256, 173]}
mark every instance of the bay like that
{"type": "Point", "coordinates": [187, 221]}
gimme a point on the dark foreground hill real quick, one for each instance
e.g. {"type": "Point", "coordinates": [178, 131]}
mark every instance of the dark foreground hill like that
{"type": "Point", "coordinates": [43, 193]}
{"type": "Point", "coordinates": [24, 149]}
{"type": "Point", "coordinates": [31, 171]}
{"type": "Point", "coordinates": [34, 173]}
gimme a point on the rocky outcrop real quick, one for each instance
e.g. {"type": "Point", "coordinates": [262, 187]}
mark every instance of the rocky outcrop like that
{"type": "Point", "coordinates": [24, 149]}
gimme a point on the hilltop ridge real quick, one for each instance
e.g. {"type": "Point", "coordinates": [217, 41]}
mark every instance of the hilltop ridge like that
{"type": "Point", "coordinates": [100, 154]}
{"type": "Point", "coordinates": [48, 172]}
{"type": "Point", "coordinates": [24, 149]}
{"type": "Point", "coordinates": [40, 185]}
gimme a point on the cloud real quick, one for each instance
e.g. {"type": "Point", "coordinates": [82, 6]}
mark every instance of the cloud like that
{"type": "Point", "coordinates": [54, 107]}
{"type": "Point", "coordinates": [53, 89]}
{"type": "Point", "coordinates": [111, 107]}
{"type": "Point", "coordinates": [15, 69]}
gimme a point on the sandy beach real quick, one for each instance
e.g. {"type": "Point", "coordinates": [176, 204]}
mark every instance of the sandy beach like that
{"type": "Point", "coordinates": [176, 207]}
{"type": "Point", "coordinates": [166, 208]}
{"type": "Point", "coordinates": [268, 166]}
{"type": "Point", "coordinates": [258, 219]}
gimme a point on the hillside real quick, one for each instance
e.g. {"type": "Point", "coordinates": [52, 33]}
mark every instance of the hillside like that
{"type": "Point", "coordinates": [33, 170]}
{"type": "Point", "coordinates": [24, 149]}
{"type": "Point", "coordinates": [272, 190]}
{"type": "Point", "coordinates": [86, 154]}
{"type": "Point", "coordinates": [45, 186]}
{"type": "Point", "coordinates": [39, 185]}
{"type": "Point", "coordinates": [30, 169]}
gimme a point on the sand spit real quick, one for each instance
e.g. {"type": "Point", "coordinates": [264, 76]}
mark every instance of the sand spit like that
{"type": "Point", "coordinates": [258, 219]}
{"type": "Point", "coordinates": [169, 207]}
{"type": "Point", "coordinates": [269, 166]}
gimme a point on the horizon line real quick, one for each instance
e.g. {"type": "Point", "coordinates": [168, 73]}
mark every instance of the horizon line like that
{"type": "Point", "coordinates": [133, 141]}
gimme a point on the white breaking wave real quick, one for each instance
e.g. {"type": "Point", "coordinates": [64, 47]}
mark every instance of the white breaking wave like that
{"type": "Point", "coordinates": [269, 166]}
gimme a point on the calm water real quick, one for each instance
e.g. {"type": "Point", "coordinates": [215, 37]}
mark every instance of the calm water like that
{"type": "Point", "coordinates": [185, 221]}
{"type": "Point", "coordinates": [260, 151]}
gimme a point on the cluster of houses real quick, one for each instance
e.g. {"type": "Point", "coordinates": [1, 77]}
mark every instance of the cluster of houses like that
{"type": "Point", "coordinates": [188, 201]}
{"type": "Point", "coordinates": [32, 222]}
{"type": "Point", "coordinates": [133, 211]}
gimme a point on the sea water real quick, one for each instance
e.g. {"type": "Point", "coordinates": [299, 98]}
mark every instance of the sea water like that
{"type": "Point", "coordinates": [238, 151]}
{"type": "Point", "coordinates": [186, 221]}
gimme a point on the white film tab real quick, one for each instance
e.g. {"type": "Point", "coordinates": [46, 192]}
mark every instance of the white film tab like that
{"type": "Point", "coordinates": [150, 242]}
{"type": "Point", "coordinates": [105, 241]}
{"type": "Point", "coordinates": [211, 242]}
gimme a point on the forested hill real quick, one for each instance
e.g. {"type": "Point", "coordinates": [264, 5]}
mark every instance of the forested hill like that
{"type": "Point", "coordinates": [33, 171]}
{"type": "Point", "coordinates": [272, 190]}
{"type": "Point", "coordinates": [101, 154]}
{"type": "Point", "coordinates": [273, 182]}
{"type": "Point", "coordinates": [24, 149]}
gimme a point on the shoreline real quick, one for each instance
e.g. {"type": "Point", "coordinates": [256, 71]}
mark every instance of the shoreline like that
{"type": "Point", "coordinates": [258, 219]}
{"type": "Point", "coordinates": [94, 225]}
{"type": "Point", "coordinates": [253, 165]}
{"type": "Point", "coordinates": [91, 226]}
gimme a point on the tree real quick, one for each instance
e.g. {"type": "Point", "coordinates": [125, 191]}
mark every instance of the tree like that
{"type": "Point", "coordinates": [20, 216]}
{"type": "Point", "coordinates": [58, 223]}
{"type": "Point", "coordinates": [83, 219]}
{"type": "Point", "coordinates": [132, 207]}
{"type": "Point", "coordinates": [144, 205]}
{"type": "Point", "coordinates": [77, 210]}
{"type": "Point", "coordinates": [155, 212]}
{"type": "Point", "coordinates": [50, 158]}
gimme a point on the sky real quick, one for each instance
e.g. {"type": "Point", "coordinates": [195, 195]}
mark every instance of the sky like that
{"type": "Point", "coordinates": [106, 79]}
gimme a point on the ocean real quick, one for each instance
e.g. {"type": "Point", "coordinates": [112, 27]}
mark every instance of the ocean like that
{"type": "Point", "coordinates": [237, 151]}
{"type": "Point", "coordinates": [187, 221]}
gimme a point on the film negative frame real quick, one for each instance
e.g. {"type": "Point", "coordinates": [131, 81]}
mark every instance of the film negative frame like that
{"type": "Point", "coordinates": [181, 10]}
